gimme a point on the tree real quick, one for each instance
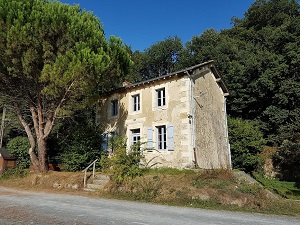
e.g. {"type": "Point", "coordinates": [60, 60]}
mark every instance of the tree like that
{"type": "Point", "coordinates": [54, 57]}
{"type": "Point", "coordinates": [160, 58]}
{"type": "Point", "coordinates": [274, 32]}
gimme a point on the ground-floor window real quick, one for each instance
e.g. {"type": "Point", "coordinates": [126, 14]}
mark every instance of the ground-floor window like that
{"type": "Point", "coordinates": [161, 137]}
{"type": "Point", "coordinates": [135, 136]}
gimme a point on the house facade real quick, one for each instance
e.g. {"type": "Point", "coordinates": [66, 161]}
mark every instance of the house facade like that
{"type": "Point", "coordinates": [181, 118]}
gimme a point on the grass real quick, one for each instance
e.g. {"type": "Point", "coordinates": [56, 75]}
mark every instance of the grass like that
{"type": "Point", "coordinates": [285, 189]}
{"type": "Point", "coordinates": [209, 189]}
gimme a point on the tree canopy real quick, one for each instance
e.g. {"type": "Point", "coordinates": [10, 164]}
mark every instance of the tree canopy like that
{"type": "Point", "coordinates": [259, 58]}
{"type": "Point", "coordinates": [53, 57]}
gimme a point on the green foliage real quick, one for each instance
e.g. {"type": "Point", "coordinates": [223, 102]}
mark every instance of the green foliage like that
{"type": "Point", "coordinates": [123, 165]}
{"type": "Point", "coordinates": [286, 161]}
{"type": "Point", "coordinates": [159, 59]}
{"type": "Point", "coordinates": [76, 141]}
{"type": "Point", "coordinates": [283, 188]}
{"type": "Point", "coordinates": [17, 172]}
{"type": "Point", "coordinates": [246, 142]}
{"type": "Point", "coordinates": [19, 147]}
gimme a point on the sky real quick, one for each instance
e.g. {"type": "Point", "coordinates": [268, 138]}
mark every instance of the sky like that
{"type": "Point", "coordinates": [142, 23]}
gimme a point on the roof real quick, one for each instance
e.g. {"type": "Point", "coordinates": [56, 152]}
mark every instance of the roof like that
{"type": "Point", "coordinates": [4, 153]}
{"type": "Point", "coordinates": [186, 71]}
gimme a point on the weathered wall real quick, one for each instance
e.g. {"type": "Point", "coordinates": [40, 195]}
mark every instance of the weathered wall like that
{"type": "Point", "coordinates": [211, 142]}
{"type": "Point", "coordinates": [175, 112]}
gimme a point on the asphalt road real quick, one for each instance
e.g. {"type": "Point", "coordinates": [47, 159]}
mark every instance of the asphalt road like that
{"type": "Point", "coordinates": [24, 207]}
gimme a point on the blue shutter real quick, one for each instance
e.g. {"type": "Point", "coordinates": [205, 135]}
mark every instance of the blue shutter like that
{"type": "Point", "coordinates": [104, 143]}
{"type": "Point", "coordinates": [170, 137]}
{"type": "Point", "coordinates": [150, 137]}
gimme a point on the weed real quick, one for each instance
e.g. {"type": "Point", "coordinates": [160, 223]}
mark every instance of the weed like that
{"type": "Point", "coordinates": [249, 189]}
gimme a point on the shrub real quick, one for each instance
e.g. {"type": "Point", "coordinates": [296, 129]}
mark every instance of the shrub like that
{"type": "Point", "coordinates": [286, 161]}
{"type": "Point", "coordinates": [75, 140]}
{"type": "Point", "coordinates": [18, 147]}
{"type": "Point", "coordinates": [246, 142]}
{"type": "Point", "coordinates": [80, 149]}
{"type": "Point", "coordinates": [123, 165]}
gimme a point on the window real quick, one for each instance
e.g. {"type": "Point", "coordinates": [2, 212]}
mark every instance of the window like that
{"type": "Point", "coordinates": [135, 136]}
{"type": "Point", "coordinates": [108, 141]}
{"type": "Point", "coordinates": [161, 97]}
{"type": "Point", "coordinates": [114, 107]}
{"type": "Point", "coordinates": [136, 102]}
{"type": "Point", "coordinates": [161, 137]}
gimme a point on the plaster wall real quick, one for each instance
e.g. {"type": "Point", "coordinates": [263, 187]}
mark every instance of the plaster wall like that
{"type": "Point", "coordinates": [211, 141]}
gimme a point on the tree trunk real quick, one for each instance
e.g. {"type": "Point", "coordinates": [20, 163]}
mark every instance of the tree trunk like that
{"type": "Point", "coordinates": [43, 156]}
{"type": "Point", "coordinates": [34, 161]}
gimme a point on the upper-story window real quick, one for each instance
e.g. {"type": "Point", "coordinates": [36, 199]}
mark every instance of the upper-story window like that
{"type": "Point", "coordinates": [136, 102]}
{"type": "Point", "coordinates": [161, 97]}
{"type": "Point", "coordinates": [114, 107]}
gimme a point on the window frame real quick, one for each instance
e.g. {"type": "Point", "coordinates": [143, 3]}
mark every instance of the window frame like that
{"type": "Point", "coordinates": [161, 137]}
{"type": "Point", "coordinates": [161, 97]}
{"type": "Point", "coordinates": [136, 102]}
{"type": "Point", "coordinates": [135, 136]}
{"type": "Point", "coordinates": [114, 107]}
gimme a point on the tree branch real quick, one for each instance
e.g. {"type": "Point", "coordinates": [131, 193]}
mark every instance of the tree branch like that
{"type": "Point", "coordinates": [31, 153]}
{"type": "Point", "coordinates": [51, 118]}
{"type": "Point", "coordinates": [40, 117]}
{"type": "Point", "coordinates": [34, 118]}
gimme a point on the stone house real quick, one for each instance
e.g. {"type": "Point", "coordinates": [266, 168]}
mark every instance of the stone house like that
{"type": "Point", "coordinates": [181, 118]}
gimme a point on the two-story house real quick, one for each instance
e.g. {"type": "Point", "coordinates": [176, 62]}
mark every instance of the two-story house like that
{"type": "Point", "coordinates": [180, 116]}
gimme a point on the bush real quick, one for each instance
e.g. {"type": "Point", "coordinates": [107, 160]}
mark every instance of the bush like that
{"type": "Point", "coordinates": [78, 156]}
{"type": "Point", "coordinates": [122, 165]}
{"type": "Point", "coordinates": [18, 147]}
{"type": "Point", "coordinates": [246, 142]}
{"type": "Point", "coordinates": [75, 140]}
{"type": "Point", "coordinates": [287, 161]}
{"type": "Point", "coordinates": [80, 148]}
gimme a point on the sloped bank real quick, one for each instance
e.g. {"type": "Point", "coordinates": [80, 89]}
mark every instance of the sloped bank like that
{"type": "Point", "coordinates": [213, 189]}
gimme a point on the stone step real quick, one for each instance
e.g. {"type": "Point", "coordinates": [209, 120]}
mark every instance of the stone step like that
{"type": "Point", "coordinates": [100, 182]}
{"type": "Point", "coordinates": [101, 177]}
